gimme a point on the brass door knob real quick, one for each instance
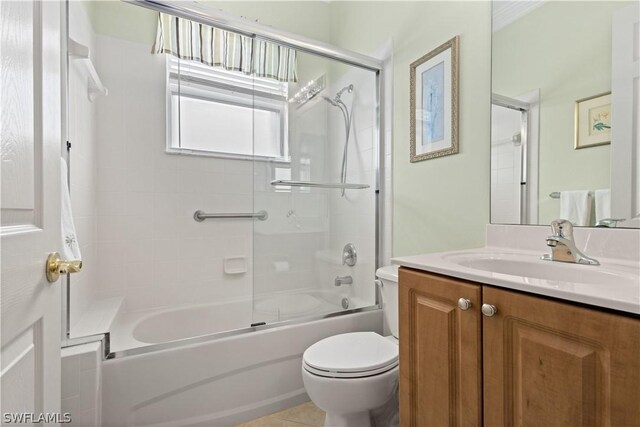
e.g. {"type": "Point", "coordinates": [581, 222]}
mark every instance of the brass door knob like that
{"type": "Point", "coordinates": [56, 266]}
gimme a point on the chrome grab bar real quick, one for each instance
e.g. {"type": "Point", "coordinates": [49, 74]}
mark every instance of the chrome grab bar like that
{"type": "Point", "coordinates": [201, 216]}
{"type": "Point", "coordinates": [318, 184]}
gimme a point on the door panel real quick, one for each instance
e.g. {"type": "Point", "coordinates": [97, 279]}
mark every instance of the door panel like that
{"type": "Point", "coordinates": [19, 369]}
{"type": "Point", "coordinates": [625, 106]}
{"type": "Point", "coordinates": [30, 227]}
{"type": "Point", "coordinates": [564, 366]}
{"type": "Point", "coordinates": [20, 142]}
{"type": "Point", "coordinates": [550, 363]}
{"type": "Point", "coordinates": [440, 359]}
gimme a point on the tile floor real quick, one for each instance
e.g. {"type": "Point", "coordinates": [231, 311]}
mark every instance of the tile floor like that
{"type": "Point", "coordinates": [304, 415]}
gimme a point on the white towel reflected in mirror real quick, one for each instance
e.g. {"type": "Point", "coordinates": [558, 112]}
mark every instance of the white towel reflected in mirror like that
{"type": "Point", "coordinates": [575, 206]}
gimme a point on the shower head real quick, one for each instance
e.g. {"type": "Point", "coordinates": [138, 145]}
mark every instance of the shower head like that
{"type": "Point", "coordinates": [348, 88]}
{"type": "Point", "coordinates": [336, 101]}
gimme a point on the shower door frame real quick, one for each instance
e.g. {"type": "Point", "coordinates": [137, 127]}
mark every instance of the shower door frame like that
{"type": "Point", "coordinates": [523, 189]}
{"type": "Point", "coordinates": [225, 21]}
{"type": "Point", "coordinates": [528, 105]}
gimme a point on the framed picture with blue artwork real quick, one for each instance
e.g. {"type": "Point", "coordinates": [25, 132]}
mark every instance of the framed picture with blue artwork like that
{"type": "Point", "coordinates": [434, 103]}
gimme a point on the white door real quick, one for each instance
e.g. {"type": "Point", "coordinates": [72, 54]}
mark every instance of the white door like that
{"type": "Point", "coordinates": [30, 104]}
{"type": "Point", "coordinates": [625, 113]}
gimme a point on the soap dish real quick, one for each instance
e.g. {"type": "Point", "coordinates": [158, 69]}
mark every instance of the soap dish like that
{"type": "Point", "coordinates": [235, 265]}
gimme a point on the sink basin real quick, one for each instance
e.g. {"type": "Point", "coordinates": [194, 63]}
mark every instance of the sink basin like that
{"type": "Point", "coordinates": [511, 260]}
{"type": "Point", "coordinates": [528, 266]}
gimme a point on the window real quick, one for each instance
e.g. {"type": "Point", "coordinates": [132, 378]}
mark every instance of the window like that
{"type": "Point", "coordinates": [216, 112]}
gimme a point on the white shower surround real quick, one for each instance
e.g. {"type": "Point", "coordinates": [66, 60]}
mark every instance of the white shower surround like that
{"type": "Point", "coordinates": [221, 382]}
{"type": "Point", "coordinates": [146, 199]}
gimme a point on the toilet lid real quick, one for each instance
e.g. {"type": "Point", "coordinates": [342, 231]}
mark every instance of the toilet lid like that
{"type": "Point", "coordinates": [357, 352]}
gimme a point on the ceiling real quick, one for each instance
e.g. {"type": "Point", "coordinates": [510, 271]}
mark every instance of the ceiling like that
{"type": "Point", "coordinates": [507, 11]}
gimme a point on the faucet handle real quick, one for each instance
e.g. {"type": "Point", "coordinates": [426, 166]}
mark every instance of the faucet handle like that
{"type": "Point", "coordinates": [562, 228]}
{"type": "Point", "coordinates": [349, 255]}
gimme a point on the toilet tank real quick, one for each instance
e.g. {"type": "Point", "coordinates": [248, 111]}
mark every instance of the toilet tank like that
{"type": "Point", "coordinates": [388, 276]}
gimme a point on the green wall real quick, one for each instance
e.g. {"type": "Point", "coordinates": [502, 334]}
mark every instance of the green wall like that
{"type": "Point", "coordinates": [130, 22]}
{"type": "Point", "coordinates": [123, 20]}
{"type": "Point", "coordinates": [569, 59]}
{"type": "Point", "coordinates": [439, 204]}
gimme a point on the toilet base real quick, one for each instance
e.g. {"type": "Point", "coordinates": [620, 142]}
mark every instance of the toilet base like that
{"type": "Point", "coordinates": [350, 402]}
{"type": "Point", "coordinates": [355, 419]}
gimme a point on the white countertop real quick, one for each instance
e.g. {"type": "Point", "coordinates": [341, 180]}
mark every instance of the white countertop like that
{"type": "Point", "coordinates": [614, 284]}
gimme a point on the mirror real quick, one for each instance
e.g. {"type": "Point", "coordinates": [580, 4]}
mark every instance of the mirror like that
{"type": "Point", "coordinates": [564, 132]}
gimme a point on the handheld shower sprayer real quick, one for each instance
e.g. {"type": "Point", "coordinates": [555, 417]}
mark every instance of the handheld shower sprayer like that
{"type": "Point", "coordinates": [337, 102]}
{"type": "Point", "coordinates": [348, 88]}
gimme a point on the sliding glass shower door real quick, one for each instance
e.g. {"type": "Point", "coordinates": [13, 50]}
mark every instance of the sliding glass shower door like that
{"type": "Point", "coordinates": [316, 252]}
{"type": "Point", "coordinates": [233, 179]}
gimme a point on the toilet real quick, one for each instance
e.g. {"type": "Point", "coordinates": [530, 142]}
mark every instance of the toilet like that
{"type": "Point", "coordinates": [350, 375]}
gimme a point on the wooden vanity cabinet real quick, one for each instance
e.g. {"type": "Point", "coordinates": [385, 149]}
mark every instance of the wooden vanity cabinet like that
{"type": "Point", "coordinates": [535, 362]}
{"type": "Point", "coordinates": [440, 351]}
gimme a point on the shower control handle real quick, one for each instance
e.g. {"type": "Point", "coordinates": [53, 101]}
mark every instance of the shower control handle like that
{"type": "Point", "coordinates": [349, 255]}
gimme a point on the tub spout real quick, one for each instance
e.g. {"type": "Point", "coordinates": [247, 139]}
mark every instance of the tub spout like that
{"type": "Point", "coordinates": [343, 280]}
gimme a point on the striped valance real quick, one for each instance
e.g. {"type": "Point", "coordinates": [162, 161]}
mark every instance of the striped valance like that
{"type": "Point", "coordinates": [220, 48]}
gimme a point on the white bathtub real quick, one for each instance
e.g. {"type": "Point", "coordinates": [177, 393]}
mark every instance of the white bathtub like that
{"type": "Point", "coordinates": [220, 381]}
{"type": "Point", "coordinates": [140, 329]}
{"type": "Point", "coordinates": [181, 323]}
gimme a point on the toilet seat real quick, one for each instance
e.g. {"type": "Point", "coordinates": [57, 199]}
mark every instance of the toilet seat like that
{"type": "Point", "coordinates": [362, 374]}
{"type": "Point", "coordinates": [351, 355]}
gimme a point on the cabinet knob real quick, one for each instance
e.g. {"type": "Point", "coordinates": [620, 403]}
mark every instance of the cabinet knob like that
{"type": "Point", "coordinates": [489, 310]}
{"type": "Point", "coordinates": [464, 304]}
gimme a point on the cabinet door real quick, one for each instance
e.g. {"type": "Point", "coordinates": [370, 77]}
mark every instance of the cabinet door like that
{"type": "Point", "coordinates": [548, 363]}
{"type": "Point", "coordinates": [440, 353]}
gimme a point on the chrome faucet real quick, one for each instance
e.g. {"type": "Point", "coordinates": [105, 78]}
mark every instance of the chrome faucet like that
{"type": "Point", "coordinates": [343, 280]}
{"type": "Point", "coordinates": [563, 246]}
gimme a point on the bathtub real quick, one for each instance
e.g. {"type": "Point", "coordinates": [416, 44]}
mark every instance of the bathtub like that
{"type": "Point", "coordinates": [203, 365]}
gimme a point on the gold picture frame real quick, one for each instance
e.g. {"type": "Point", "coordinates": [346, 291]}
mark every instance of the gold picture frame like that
{"type": "Point", "coordinates": [592, 121]}
{"type": "Point", "coordinates": [434, 125]}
